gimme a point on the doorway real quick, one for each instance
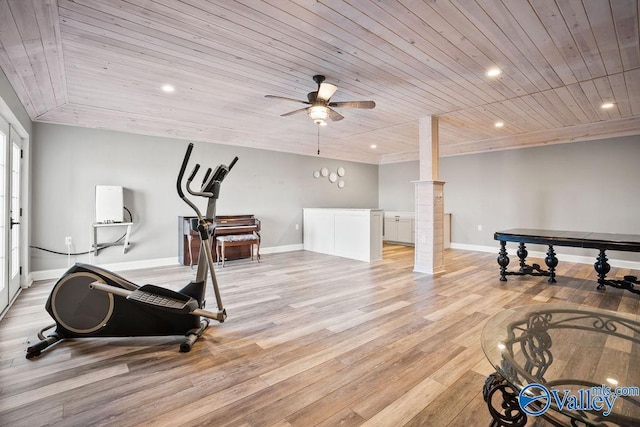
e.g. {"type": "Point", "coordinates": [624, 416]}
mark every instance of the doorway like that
{"type": "Point", "coordinates": [10, 213]}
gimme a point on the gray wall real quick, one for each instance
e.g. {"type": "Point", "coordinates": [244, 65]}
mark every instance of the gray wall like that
{"type": "Point", "coordinates": [395, 186]}
{"type": "Point", "coordinates": [585, 186]}
{"type": "Point", "coordinates": [68, 162]}
{"type": "Point", "coordinates": [579, 186]}
{"type": "Point", "coordinates": [9, 96]}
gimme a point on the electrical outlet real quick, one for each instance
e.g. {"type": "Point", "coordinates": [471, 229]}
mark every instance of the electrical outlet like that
{"type": "Point", "coordinates": [297, 226]}
{"type": "Point", "coordinates": [479, 228]}
{"type": "Point", "coordinates": [68, 241]}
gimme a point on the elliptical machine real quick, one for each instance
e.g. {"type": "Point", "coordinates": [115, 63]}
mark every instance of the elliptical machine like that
{"type": "Point", "coordinates": [88, 301]}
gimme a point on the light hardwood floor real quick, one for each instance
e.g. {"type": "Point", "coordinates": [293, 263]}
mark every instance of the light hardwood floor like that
{"type": "Point", "coordinates": [310, 340]}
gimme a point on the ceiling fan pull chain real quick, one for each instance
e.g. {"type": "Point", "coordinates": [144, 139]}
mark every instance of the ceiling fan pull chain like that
{"type": "Point", "coordinates": [318, 140]}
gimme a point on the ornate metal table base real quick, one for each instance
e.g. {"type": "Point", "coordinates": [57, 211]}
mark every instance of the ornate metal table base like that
{"type": "Point", "coordinates": [509, 414]}
{"type": "Point", "coordinates": [531, 270]}
{"type": "Point", "coordinates": [525, 351]}
{"type": "Point", "coordinates": [576, 239]}
{"type": "Point", "coordinates": [602, 268]}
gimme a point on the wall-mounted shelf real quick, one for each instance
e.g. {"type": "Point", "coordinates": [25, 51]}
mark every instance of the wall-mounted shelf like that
{"type": "Point", "coordinates": [96, 225]}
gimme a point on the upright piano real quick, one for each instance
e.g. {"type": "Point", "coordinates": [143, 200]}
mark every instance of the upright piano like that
{"type": "Point", "coordinates": [189, 240]}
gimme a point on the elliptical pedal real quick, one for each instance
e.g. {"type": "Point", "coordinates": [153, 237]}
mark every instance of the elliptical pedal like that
{"type": "Point", "coordinates": [163, 298]}
{"type": "Point", "coordinates": [164, 302]}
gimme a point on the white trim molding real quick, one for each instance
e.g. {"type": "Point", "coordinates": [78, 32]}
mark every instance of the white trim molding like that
{"type": "Point", "coordinates": [116, 266]}
{"type": "Point", "coordinates": [285, 248]}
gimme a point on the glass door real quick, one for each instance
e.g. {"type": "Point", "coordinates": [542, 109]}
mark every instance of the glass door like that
{"type": "Point", "coordinates": [10, 213]}
{"type": "Point", "coordinates": [15, 214]}
{"type": "Point", "coordinates": [4, 203]}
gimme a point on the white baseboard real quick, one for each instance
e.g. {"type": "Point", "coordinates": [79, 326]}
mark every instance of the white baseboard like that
{"type": "Point", "coordinates": [475, 248]}
{"type": "Point", "coordinates": [278, 249]}
{"type": "Point", "coordinates": [149, 263]}
{"type": "Point", "coordinates": [116, 266]}
{"type": "Point", "coordinates": [579, 259]}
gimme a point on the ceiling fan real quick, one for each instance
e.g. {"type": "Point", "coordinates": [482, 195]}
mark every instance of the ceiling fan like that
{"type": "Point", "coordinates": [319, 106]}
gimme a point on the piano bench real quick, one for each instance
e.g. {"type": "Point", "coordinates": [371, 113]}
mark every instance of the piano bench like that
{"type": "Point", "coordinates": [237, 240]}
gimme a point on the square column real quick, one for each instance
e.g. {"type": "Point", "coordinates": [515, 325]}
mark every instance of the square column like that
{"type": "Point", "coordinates": [429, 149]}
{"type": "Point", "coordinates": [429, 227]}
{"type": "Point", "coordinates": [429, 199]}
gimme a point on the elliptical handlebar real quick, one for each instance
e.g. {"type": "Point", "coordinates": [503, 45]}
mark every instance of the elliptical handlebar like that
{"type": "Point", "coordinates": [183, 168]}
{"type": "Point", "coordinates": [210, 188]}
{"type": "Point", "coordinates": [233, 162]}
{"type": "Point", "coordinates": [190, 179]}
{"type": "Point", "coordinates": [209, 178]}
{"type": "Point", "coordinates": [194, 172]}
{"type": "Point", "coordinates": [197, 193]}
{"type": "Point", "coordinates": [206, 177]}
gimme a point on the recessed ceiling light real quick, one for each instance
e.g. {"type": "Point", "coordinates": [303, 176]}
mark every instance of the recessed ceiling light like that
{"type": "Point", "coordinates": [492, 72]}
{"type": "Point", "coordinates": [374, 146]}
{"type": "Point", "coordinates": [607, 105]}
{"type": "Point", "coordinates": [168, 88]}
{"type": "Point", "coordinates": [499, 124]}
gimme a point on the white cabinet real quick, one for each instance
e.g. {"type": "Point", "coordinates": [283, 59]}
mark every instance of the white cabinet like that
{"type": "Point", "coordinates": [405, 230]}
{"type": "Point", "coordinates": [349, 233]}
{"type": "Point", "coordinates": [399, 227]}
{"type": "Point", "coordinates": [390, 229]}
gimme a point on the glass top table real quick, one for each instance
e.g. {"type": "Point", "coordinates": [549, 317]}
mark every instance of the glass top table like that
{"type": "Point", "coordinates": [568, 364]}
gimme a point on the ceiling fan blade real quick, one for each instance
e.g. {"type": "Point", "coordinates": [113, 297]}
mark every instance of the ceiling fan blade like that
{"type": "Point", "coordinates": [286, 99]}
{"type": "Point", "coordinates": [326, 91]}
{"type": "Point", "coordinates": [334, 115]}
{"type": "Point", "coordinates": [290, 113]}
{"type": "Point", "coordinates": [353, 104]}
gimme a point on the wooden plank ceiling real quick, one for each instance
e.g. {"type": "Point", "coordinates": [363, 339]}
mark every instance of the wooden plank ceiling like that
{"type": "Point", "coordinates": [101, 64]}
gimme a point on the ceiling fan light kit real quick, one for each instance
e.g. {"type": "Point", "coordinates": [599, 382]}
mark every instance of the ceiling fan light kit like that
{"type": "Point", "coordinates": [325, 90]}
{"type": "Point", "coordinates": [318, 114]}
